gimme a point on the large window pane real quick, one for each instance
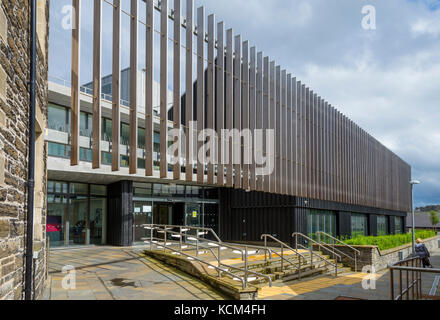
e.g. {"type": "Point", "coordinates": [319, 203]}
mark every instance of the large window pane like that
{"type": "Point", "coordinates": [57, 150]}
{"type": "Point", "coordinates": [85, 127]}
{"type": "Point", "coordinates": [359, 225]}
{"type": "Point", "coordinates": [98, 215]}
{"type": "Point", "coordinates": [56, 220]}
{"type": "Point", "coordinates": [78, 220]}
{"type": "Point", "coordinates": [398, 225]}
{"type": "Point", "coordinates": [382, 225]}
{"type": "Point", "coordinates": [125, 134]}
{"type": "Point", "coordinates": [107, 129]}
{"type": "Point", "coordinates": [57, 118]}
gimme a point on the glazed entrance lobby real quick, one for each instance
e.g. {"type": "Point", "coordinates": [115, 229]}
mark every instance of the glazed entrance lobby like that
{"type": "Point", "coordinates": [86, 214]}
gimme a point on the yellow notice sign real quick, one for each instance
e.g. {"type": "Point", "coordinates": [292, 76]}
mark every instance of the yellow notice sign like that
{"type": "Point", "coordinates": [194, 214]}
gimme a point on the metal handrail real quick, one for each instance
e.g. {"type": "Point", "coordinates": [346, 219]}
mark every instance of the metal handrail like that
{"type": "Point", "coordinates": [243, 281]}
{"type": "Point", "coordinates": [356, 251]}
{"type": "Point", "coordinates": [233, 246]}
{"type": "Point", "coordinates": [166, 229]}
{"type": "Point", "coordinates": [265, 236]}
{"type": "Point", "coordinates": [410, 266]}
{"type": "Point", "coordinates": [296, 234]}
{"type": "Point", "coordinates": [336, 239]}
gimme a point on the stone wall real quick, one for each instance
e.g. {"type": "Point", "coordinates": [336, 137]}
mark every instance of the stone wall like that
{"type": "Point", "coordinates": [14, 141]}
{"type": "Point", "coordinates": [373, 256]}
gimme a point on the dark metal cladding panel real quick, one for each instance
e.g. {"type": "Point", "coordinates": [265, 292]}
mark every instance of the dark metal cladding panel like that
{"type": "Point", "coordinates": [120, 214]}
{"type": "Point", "coordinates": [237, 152]}
{"type": "Point", "coordinates": [372, 219]}
{"type": "Point", "coordinates": [344, 224]}
{"type": "Point", "coordinates": [294, 127]}
{"type": "Point", "coordinates": [220, 100]}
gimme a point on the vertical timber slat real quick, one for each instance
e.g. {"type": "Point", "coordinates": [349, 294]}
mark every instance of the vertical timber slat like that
{"type": "Point", "coordinates": [97, 53]}
{"type": "Point", "coordinates": [210, 102]}
{"type": "Point", "coordinates": [177, 117]}
{"type": "Point", "coordinates": [75, 87]}
{"type": "Point", "coordinates": [116, 85]}
{"type": "Point", "coordinates": [220, 85]}
{"type": "Point", "coordinates": [133, 86]}
{"type": "Point", "coordinates": [164, 89]}
{"type": "Point", "coordinates": [200, 93]}
{"type": "Point", "coordinates": [189, 103]}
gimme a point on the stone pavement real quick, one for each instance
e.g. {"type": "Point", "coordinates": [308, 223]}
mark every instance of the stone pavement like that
{"type": "Point", "coordinates": [347, 285]}
{"type": "Point", "coordinates": [108, 273]}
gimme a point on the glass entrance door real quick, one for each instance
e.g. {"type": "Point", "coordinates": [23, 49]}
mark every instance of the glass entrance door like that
{"type": "Point", "coordinates": [163, 213]}
{"type": "Point", "coordinates": [143, 214]}
{"type": "Point", "coordinates": [193, 215]}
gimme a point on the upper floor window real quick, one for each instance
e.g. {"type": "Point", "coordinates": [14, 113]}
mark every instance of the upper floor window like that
{"type": "Point", "coordinates": [58, 118]}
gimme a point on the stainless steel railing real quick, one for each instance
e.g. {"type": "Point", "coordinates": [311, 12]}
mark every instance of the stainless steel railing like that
{"type": "Point", "coordinates": [186, 240]}
{"type": "Point", "coordinates": [281, 255]}
{"type": "Point", "coordinates": [356, 252]}
{"type": "Point", "coordinates": [296, 235]}
{"type": "Point", "coordinates": [409, 279]}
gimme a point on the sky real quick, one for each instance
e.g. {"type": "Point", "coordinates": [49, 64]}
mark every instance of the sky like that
{"type": "Point", "coordinates": [386, 80]}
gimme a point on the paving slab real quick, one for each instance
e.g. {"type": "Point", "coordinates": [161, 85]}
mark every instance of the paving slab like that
{"type": "Point", "coordinates": [110, 273]}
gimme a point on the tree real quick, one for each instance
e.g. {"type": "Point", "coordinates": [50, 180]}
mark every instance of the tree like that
{"type": "Point", "coordinates": [434, 218]}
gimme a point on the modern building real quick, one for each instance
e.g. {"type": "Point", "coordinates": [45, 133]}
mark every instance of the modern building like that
{"type": "Point", "coordinates": [329, 175]}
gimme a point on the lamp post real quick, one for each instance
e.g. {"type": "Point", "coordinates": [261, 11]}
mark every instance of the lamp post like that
{"type": "Point", "coordinates": [413, 182]}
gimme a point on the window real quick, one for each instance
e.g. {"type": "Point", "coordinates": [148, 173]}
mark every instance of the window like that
{"type": "Point", "coordinates": [58, 118]}
{"type": "Point", "coordinates": [106, 158]}
{"type": "Point", "coordinates": [141, 138]}
{"type": "Point", "coordinates": [125, 161]}
{"type": "Point", "coordinates": [85, 125]}
{"type": "Point", "coordinates": [106, 129]}
{"type": "Point", "coordinates": [320, 220]}
{"type": "Point", "coordinates": [85, 154]}
{"type": "Point", "coordinates": [359, 225]}
{"type": "Point", "coordinates": [382, 225]}
{"type": "Point", "coordinates": [58, 150]}
{"type": "Point", "coordinates": [398, 225]}
{"type": "Point", "coordinates": [125, 134]}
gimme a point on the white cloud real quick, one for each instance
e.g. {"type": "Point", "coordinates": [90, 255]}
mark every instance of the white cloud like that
{"type": "Point", "coordinates": [430, 27]}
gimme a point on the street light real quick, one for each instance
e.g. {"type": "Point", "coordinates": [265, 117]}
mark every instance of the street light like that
{"type": "Point", "coordinates": [413, 182]}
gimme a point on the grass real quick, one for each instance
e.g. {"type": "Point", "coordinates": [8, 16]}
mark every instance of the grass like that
{"type": "Point", "coordinates": [391, 241]}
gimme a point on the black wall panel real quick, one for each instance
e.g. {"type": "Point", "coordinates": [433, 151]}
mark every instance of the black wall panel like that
{"type": "Point", "coordinates": [344, 224]}
{"type": "Point", "coordinates": [372, 221]}
{"type": "Point", "coordinates": [120, 214]}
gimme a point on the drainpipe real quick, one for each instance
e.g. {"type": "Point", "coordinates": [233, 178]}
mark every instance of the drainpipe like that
{"type": "Point", "coordinates": [31, 169]}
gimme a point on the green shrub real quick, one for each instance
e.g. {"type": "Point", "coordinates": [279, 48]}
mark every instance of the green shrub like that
{"type": "Point", "coordinates": [391, 241]}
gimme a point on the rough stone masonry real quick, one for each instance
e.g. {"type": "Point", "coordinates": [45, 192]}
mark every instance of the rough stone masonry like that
{"type": "Point", "coordinates": [14, 141]}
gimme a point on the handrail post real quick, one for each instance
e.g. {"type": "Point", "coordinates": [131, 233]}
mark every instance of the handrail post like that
{"type": "Point", "coordinates": [299, 268]}
{"type": "Point", "coordinates": [333, 247]}
{"type": "Point", "coordinates": [412, 279]}
{"type": "Point", "coordinates": [400, 285]}
{"type": "Point", "coordinates": [219, 259]}
{"type": "Point", "coordinates": [282, 257]}
{"type": "Point", "coordinates": [392, 283]}
{"type": "Point", "coordinates": [407, 282]}
{"type": "Point", "coordinates": [180, 239]}
{"type": "Point", "coordinates": [246, 267]}
{"type": "Point", "coordinates": [197, 242]}
{"type": "Point", "coordinates": [265, 247]}
{"type": "Point", "coordinates": [355, 262]}
{"type": "Point", "coordinates": [165, 240]}
{"type": "Point", "coordinates": [151, 238]}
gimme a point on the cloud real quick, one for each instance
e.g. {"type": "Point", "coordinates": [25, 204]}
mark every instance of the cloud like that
{"type": "Point", "coordinates": [429, 27]}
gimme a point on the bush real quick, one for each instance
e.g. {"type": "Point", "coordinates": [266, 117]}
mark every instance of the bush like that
{"type": "Point", "coordinates": [391, 241]}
